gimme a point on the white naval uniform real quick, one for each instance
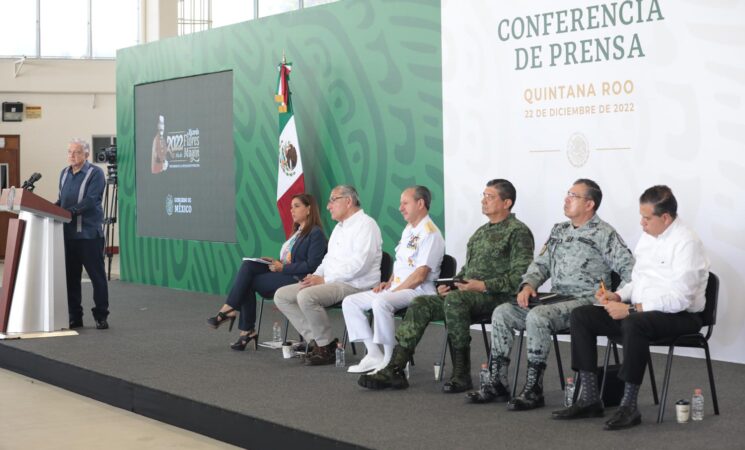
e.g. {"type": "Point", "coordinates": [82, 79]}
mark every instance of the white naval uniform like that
{"type": "Point", "coordinates": [419, 246]}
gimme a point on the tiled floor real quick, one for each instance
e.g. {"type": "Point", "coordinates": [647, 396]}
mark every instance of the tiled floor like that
{"type": "Point", "coordinates": [35, 415]}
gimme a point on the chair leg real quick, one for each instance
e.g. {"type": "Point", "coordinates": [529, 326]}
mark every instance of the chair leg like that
{"type": "Point", "coordinates": [615, 353]}
{"type": "Point", "coordinates": [344, 338]}
{"type": "Point", "coordinates": [652, 379]}
{"type": "Point", "coordinates": [287, 328]}
{"type": "Point", "coordinates": [558, 360]}
{"type": "Point", "coordinates": [258, 322]}
{"type": "Point", "coordinates": [606, 359]}
{"type": "Point", "coordinates": [516, 371]}
{"type": "Point", "coordinates": [486, 341]}
{"type": "Point", "coordinates": [577, 386]}
{"type": "Point", "coordinates": [711, 378]}
{"type": "Point", "coordinates": [665, 384]}
{"type": "Point", "coordinates": [445, 345]}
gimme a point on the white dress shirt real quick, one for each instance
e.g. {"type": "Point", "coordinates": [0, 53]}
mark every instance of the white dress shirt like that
{"type": "Point", "coordinates": [354, 252]}
{"type": "Point", "coordinates": [670, 273]}
{"type": "Point", "coordinates": [419, 246]}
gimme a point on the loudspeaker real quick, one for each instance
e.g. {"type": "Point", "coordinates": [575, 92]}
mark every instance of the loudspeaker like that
{"type": "Point", "coordinates": [12, 111]}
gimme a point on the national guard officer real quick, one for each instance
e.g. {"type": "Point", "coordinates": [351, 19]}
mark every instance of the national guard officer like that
{"type": "Point", "coordinates": [497, 254]}
{"type": "Point", "coordinates": [578, 255]}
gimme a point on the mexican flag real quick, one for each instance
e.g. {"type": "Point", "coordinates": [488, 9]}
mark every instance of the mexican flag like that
{"type": "Point", "coordinates": [290, 179]}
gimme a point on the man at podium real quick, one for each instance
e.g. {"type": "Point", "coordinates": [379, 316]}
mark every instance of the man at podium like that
{"type": "Point", "coordinates": [81, 189]}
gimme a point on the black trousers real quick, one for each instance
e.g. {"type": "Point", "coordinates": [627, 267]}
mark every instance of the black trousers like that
{"type": "Point", "coordinates": [253, 277]}
{"type": "Point", "coordinates": [634, 332]}
{"type": "Point", "coordinates": [86, 253]}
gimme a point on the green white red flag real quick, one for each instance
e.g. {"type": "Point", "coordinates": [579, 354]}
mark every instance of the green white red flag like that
{"type": "Point", "coordinates": [290, 178]}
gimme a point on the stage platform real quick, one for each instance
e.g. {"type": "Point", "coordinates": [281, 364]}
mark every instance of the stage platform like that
{"type": "Point", "coordinates": [161, 360]}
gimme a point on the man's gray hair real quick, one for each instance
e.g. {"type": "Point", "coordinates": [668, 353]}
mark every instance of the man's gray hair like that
{"type": "Point", "coordinates": [346, 190]}
{"type": "Point", "coordinates": [83, 144]}
{"type": "Point", "coordinates": [422, 193]}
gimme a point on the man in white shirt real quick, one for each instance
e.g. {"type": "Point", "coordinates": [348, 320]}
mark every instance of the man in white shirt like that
{"type": "Point", "coordinates": [351, 265]}
{"type": "Point", "coordinates": [667, 290]}
{"type": "Point", "coordinates": [418, 257]}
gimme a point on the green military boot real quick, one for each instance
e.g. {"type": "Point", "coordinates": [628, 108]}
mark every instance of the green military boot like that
{"type": "Point", "coordinates": [532, 395]}
{"type": "Point", "coordinates": [392, 375]}
{"type": "Point", "coordinates": [460, 381]}
{"type": "Point", "coordinates": [495, 390]}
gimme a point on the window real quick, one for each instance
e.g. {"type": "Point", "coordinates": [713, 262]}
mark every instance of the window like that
{"type": "Point", "coordinates": [68, 29]}
{"type": "Point", "coordinates": [271, 7]}
{"type": "Point", "coordinates": [64, 28]}
{"type": "Point", "coordinates": [309, 3]}
{"type": "Point", "coordinates": [228, 12]}
{"type": "Point", "coordinates": [114, 25]}
{"type": "Point", "coordinates": [18, 24]}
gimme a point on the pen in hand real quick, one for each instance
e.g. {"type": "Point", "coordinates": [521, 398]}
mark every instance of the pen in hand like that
{"type": "Point", "coordinates": [603, 296]}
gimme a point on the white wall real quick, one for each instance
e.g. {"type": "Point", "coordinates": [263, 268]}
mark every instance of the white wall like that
{"type": "Point", "coordinates": [685, 129]}
{"type": "Point", "coordinates": [77, 100]}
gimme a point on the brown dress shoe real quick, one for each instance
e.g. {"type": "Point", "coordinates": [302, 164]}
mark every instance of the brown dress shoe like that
{"type": "Point", "coordinates": [322, 355]}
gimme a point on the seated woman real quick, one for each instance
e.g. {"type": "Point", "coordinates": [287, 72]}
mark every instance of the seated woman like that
{"type": "Point", "coordinates": [300, 255]}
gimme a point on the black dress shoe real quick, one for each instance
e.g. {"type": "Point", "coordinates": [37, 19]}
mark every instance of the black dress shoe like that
{"type": "Point", "coordinates": [495, 393]}
{"type": "Point", "coordinates": [577, 411]}
{"type": "Point", "coordinates": [77, 323]}
{"type": "Point", "coordinates": [455, 386]}
{"type": "Point", "coordinates": [625, 417]}
{"type": "Point", "coordinates": [102, 324]}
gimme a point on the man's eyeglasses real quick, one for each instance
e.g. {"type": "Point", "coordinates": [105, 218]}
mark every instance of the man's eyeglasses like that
{"type": "Point", "coordinates": [574, 195]}
{"type": "Point", "coordinates": [489, 197]}
{"type": "Point", "coordinates": [333, 199]}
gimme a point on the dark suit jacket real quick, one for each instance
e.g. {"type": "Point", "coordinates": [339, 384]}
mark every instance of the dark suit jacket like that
{"type": "Point", "coordinates": [307, 253]}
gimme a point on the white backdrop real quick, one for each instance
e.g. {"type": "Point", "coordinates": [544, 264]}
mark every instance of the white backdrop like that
{"type": "Point", "coordinates": [675, 117]}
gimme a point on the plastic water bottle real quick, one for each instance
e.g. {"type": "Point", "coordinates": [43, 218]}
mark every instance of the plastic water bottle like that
{"type": "Point", "coordinates": [569, 392]}
{"type": "Point", "coordinates": [340, 355]}
{"type": "Point", "coordinates": [484, 381]}
{"type": "Point", "coordinates": [276, 332]}
{"type": "Point", "coordinates": [697, 405]}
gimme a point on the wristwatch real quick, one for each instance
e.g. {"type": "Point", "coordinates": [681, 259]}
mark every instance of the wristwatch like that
{"type": "Point", "coordinates": [632, 308]}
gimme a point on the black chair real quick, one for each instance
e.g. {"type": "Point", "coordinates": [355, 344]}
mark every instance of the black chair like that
{"type": "Point", "coordinates": [693, 340]}
{"type": "Point", "coordinates": [261, 313]}
{"type": "Point", "coordinates": [482, 320]}
{"type": "Point", "coordinates": [615, 281]}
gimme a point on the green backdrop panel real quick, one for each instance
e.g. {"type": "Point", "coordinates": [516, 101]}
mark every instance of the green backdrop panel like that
{"type": "Point", "coordinates": [367, 94]}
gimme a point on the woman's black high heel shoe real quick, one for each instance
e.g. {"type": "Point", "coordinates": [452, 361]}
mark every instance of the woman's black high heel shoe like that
{"type": "Point", "coordinates": [221, 317]}
{"type": "Point", "coordinates": [244, 340]}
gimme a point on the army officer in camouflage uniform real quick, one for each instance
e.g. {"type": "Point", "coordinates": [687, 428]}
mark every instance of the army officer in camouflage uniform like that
{"type": "Point", "coordinates": [579, 254]}
{"type": "Point", "coordinates": [497, 255]}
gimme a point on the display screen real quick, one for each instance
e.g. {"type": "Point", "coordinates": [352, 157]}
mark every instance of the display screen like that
{"type": "Point", "coordinates": [185, 164]}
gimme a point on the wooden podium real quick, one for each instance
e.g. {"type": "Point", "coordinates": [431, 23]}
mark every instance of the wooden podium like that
{"type": "Point", "coordinates": [34, 293]}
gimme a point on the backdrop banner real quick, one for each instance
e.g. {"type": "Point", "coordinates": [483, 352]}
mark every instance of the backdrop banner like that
{"type": "Point", "coordinates": [627, 93]}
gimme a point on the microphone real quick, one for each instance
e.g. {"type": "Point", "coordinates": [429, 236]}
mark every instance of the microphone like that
{"type": "Point", "coordinates": [29, 184]}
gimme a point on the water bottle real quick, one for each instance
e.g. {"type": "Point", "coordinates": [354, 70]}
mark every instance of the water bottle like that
{"type": "Point", "coordinates": [340, 355]}
{"type": "Point", "coordinates": [276, 332]}
{"type": "Point", "coordinates": [569, 392]}
{"type": "Point", "coordinates": [697, 405]}
{"type": "Point", "coordinates": [484, 381]}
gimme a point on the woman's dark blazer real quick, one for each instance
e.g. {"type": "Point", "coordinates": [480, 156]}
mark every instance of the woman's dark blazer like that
{"type": "Point", "coordinates": [307, 253]}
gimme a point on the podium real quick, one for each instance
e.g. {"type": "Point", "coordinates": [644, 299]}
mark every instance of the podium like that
{"type": "Point", "coordinates": [33, 302]}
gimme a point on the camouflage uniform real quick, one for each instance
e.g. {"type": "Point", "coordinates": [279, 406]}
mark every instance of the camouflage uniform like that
{"type": "Point", "coordinates": [575, 260]}
{"type": "Point", "coordinates": [497, 254]}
